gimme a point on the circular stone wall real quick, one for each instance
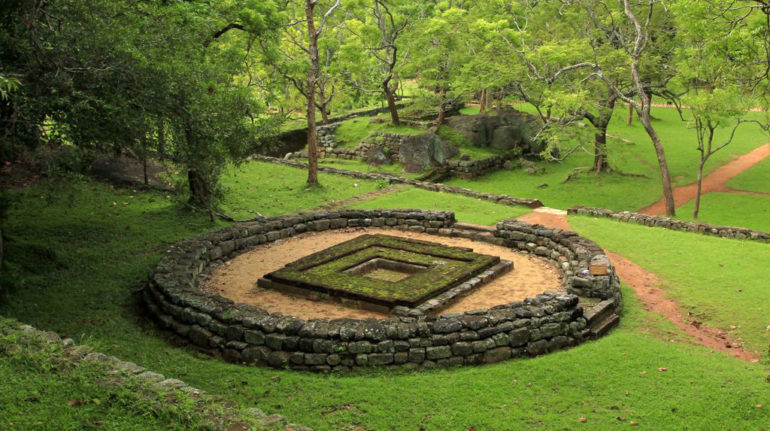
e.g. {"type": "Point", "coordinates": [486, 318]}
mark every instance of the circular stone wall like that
{"type": "Point", "coordinates": [587, 307]}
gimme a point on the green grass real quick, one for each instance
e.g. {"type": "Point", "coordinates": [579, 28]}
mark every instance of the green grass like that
{"type": "Point", "coordinates": [350, 133]}
{"type": "Point", "coordinates": [41, 389]}
{"type": "Point", "coordinates": [729, 209]}
{"type": "Point", "coordinates": [756, 179]}
{"type": "Point", "coordinates": [722, 282]}
{"type": "Point", "coordinates": [360, 166]}
{"type": "Point", "coordinates": [250, 186]}
{"type": "Point", "coordinates": [466, 209]}
{"type": "Point", "coordinates": [77, 267]}
{"type": "Point", "coordinates": [615, 191]}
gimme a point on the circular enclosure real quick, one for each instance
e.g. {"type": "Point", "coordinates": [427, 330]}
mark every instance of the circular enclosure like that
{"type": "Point", "coordinates": [399, 304]}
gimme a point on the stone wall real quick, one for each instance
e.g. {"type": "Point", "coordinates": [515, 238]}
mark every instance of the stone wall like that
{"type": "Point", "coordinates": [673, 224]}
{"type": "Point", "coordinates": [426, 185]}
{"type": "Point", "coordinates": [295, 140]}
{"type": "Point", "coordinates": [246, 334]}
{"type": "Point", "coordinates": [475, 168]}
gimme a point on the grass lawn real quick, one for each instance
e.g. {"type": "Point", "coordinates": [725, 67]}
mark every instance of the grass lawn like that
{"type": "Point", "coordinates": [350, 132]}
{"type": "Point", "coordinates": [357, 165]}
{"type": "Point", "coordinates": [756, 179]}
{"type": "Point", "coordinates": [721, 282]}
{"type": "Point", "coordinates": [77, 261]}
{"type": "Point", "coordinates": [250, 188]}
{"type": "Point", "coordinates": [729, 209]}
{"type": "Point", "coordinates": [615, 191]}
{"type": "Point", "coordinates": [466, 209]}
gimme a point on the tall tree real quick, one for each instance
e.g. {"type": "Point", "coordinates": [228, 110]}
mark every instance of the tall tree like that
{"type": "Point", "coordinates": [314, 33]}
{"type": "Point", "coordinates": [645, 42]}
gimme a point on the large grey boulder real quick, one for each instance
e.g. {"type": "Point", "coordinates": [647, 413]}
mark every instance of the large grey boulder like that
{"type": "Point", "coordinates": [507, 130]}
{"type": "Point", "coordinates": [420, 152]}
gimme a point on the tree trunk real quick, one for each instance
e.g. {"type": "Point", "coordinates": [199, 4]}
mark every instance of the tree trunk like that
{"type": "Point", "coordinates": [600, 151]}
{"type": "Point", "coordinates": [442, 108]}
{"type": "Point", "coordinates": [312, 78]}
{"type": "Point", "coordinates": [630, 120]}
{"type": "Point", "coordinates": [601, 164]}
{"type": "Point", "coordinates": [324, 114]}
{"type": "Point", "coordinates": [483, 101]}
{"type": "Point", "coordinates": [488, 98]}
{"type": "Point", "coordinates": [161, 139]}
{"type": "Point", "coordinates": [144, 161]}
{"type": "Point", "coordinates": [200, 192]}
{"type": "Point", "coordinates": [391, 98]}
{"type": "Point", "coordinates": [668, 192]}
{"type": "Point", "coordinates": [696, 211]}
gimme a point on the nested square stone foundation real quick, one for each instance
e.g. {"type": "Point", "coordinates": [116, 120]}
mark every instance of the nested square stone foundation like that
{"type": "Point", "coordinates": [387, 274]}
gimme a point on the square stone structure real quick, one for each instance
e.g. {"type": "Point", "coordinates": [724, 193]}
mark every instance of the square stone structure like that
{"type": "Point", "coordinates": [380, 272]}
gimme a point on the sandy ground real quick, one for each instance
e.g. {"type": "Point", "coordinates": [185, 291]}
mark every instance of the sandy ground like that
{"type": "Point", "coordinates": [237, 278]}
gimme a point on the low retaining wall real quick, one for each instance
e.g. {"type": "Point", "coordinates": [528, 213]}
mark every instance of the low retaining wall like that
{"type": "Point", "coordinates": [468, 169]}
{"type": "Point", "coordinates": [426, 185]}
{"type": "Point", "coordinates": [673, 224]}
{"type": "Point", "coordinates": [247, 334]}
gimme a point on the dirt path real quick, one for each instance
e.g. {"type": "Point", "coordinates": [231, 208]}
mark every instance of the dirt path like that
{"type": "Point", "coordinates": [714, 182]}
{"type": "Point", "coordinates": [653, 298]}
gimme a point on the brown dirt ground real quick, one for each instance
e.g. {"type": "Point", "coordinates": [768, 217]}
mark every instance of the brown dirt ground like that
{"type": "Point", "coordinates": [236, 279]}
{"type": "Point", "coordinates": [713, 182]}
{"type": "Point", "coordinates": [653, 298]}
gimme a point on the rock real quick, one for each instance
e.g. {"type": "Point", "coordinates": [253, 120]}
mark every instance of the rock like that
{"type": "Point", "coordinates": [420, 152]}
{"type": "Point", "coordinates": [377, 156]}
{"type": "Point", "coordinates": [465, 157]}
{"type": "Point", "coordinates": [508, 130]}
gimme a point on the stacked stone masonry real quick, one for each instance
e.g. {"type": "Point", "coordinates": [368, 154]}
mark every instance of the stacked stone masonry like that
{"type": "Point", "coordinates": [673, 224]}
{"type": "Point", "coordinates": [247, 334]}
{"type": "Point", "coordinates": [426, 185]}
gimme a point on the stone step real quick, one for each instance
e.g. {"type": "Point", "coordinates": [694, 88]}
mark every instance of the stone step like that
{"type": "Point", "coordinates": [474, 227]}
{"type": "Point", "coordinates": [599, 312]}
{"type": "Point", "coordinates": [600, 328]}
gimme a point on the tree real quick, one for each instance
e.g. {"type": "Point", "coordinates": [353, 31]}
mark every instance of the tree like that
{"type": "Point", "coordinates": [389, 25]}
{"type": "Point", "coordinates": [312, 81]}
{"type": "Point", "coordinates": [101, 75]}
{"type": "Point", "coordinates": [440, 42]}
{"type": "Point", "coordinates": [643, 41]}
{"type": "Point", "coordinates": [712, 55]}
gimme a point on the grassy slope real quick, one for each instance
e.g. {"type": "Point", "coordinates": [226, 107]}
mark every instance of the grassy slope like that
{"type": "Point", "coordinates": [727, 209]}
{"type": "Point", "coordinates": [465, 208]}
{"type": "Point", "coordinates": [722, 282]}
{"type": "Point", "coordinates": [613, 190]}
{"type": "Point", "coordinates": [250, 187]}
{"type": "Point", "coordinates": [757, 179]}
{"type": "Point", "coordinates": [358, 165]}
{"type": "Point", "coordinates": [350, 133]}
{"type": "Point", "coordinates": [82, 265]}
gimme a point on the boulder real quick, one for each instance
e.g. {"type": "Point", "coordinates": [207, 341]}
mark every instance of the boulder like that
{"type": "Point", "coordinates": [377, 156]}
{"type": "Point", "coordinates": [420, 152]}
{"type": "Point", "coordinates": [507, 130]}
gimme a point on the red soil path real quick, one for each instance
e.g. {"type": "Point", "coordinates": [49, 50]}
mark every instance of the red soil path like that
{"type": "Point", "coordinates": [645, 285]}
{"type": "Point", "coordinates": [714, 182]}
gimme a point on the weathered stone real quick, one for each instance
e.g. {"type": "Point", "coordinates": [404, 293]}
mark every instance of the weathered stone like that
{"type": "Point", "coordinates": [438, 352]}
{"type": "Point", "coordinates": [496, 355]}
